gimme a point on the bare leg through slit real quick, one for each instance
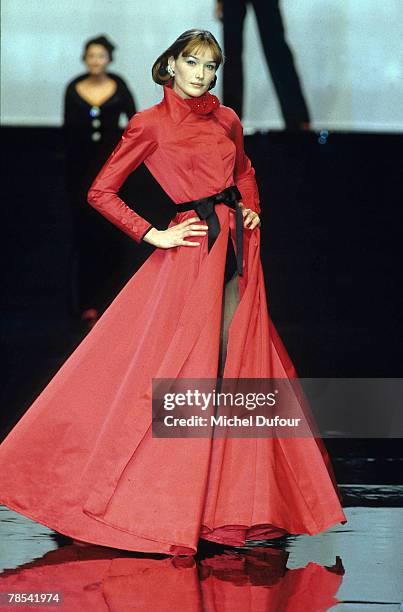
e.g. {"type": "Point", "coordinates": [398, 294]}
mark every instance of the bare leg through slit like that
{"type": "Point", "coordinates": [229, 304]}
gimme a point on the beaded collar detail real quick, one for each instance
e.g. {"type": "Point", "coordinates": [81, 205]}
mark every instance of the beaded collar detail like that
{"type": "Point", "coordinates": [205, 104]}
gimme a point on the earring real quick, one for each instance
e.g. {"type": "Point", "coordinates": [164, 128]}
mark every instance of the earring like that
{"type": "Point", "coordinates": [170, 70]}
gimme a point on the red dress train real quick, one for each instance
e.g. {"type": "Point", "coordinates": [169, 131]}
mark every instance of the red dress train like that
{"type": "Point", "coordinates": [82, 459]}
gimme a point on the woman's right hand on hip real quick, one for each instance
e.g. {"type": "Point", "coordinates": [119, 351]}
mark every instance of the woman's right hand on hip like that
{"type": "Point", "coordinates": [176, 234]}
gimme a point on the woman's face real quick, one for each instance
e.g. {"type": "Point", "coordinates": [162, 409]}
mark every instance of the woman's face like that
{"type": "Point", "coordinates": [194, 73]}
{"type": "Point", "coordinates": [96, 59]}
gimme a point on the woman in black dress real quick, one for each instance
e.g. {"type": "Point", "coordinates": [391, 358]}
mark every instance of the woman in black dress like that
{"type": "Point", "coordinates": [93, 104]}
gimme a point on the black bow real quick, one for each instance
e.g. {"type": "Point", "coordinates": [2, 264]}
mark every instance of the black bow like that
{"type": "Point", "coordinates": [205, 208]}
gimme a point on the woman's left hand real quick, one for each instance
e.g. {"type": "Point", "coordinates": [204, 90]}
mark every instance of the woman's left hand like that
{"type": "Point", "coordinates": [250, 218]}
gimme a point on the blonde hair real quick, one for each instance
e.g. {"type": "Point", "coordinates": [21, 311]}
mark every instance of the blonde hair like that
{"type": "Point", "coordinates": [186, 43]}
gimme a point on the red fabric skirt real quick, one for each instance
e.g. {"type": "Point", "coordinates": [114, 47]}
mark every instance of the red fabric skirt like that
{"type": "Point", "coordinates": [82, 459]}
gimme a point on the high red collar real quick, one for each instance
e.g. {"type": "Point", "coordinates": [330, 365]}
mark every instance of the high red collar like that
{"type": "Point", "coordinates": [203, 105]}
{"type": "Point", "coordinates": [179, 108]}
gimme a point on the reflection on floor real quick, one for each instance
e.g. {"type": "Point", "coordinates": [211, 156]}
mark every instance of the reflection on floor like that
{"type": "Point", "coordinates": [352, 567]}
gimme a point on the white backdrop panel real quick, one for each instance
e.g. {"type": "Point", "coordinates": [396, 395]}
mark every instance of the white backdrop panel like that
{"type": "Point", "coordinates": [348, 53]}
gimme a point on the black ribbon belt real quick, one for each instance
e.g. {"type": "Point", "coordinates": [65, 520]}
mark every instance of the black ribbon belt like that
{"type": "Point", "coordinates": [205, 208]}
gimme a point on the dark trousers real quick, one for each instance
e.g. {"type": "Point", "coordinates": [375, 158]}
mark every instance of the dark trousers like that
{"type": "Point", "coordinates": [278, 56]}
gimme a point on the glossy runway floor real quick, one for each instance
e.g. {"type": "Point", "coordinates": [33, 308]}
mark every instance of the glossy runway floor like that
{"type": "Point", "coordinates": [353, 567]}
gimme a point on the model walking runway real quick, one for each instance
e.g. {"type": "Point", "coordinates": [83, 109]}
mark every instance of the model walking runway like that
{"type": "Point", "coordinates": [82, 460]}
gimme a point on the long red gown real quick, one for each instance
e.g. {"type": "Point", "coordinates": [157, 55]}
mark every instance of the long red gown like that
{"type": "Point", "coordinates": [82, 459]}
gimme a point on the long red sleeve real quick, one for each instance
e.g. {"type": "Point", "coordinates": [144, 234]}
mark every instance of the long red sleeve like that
{"type": "Point", "coordinates": [136, 144]}
{"type": "Point", "coordinates": [244, 173]}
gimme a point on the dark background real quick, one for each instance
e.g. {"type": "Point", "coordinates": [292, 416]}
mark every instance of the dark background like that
{"type": "Point", "coordinates": [331, 253]}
